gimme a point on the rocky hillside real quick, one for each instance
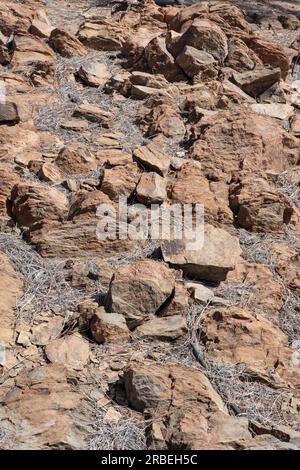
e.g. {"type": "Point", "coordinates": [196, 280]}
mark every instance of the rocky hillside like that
{"type": "Point", "coordinates": [136, 344]}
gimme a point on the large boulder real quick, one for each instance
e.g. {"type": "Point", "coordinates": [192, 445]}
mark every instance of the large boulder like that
{"type": "Point", "coordinates": [32, 55]}
{"type": "Point", "coordinates": [34, 203]}
{"type": "Point", "coordinates": [160, 60]}
{"type": "Point", "coordinates": [37, 410]}
{"type": "Point", "coordinates": [260, 207]}
{"type": "Point", "coordinates": [257, 81]}
{"type": "Point", "coordinates": [192, 187]}
{"type": "Point", "coordinates": [76, 159]}
{"type": "Point", "coordinates": [229, 143]}
{"type": "Point", "coordinates": [139, 290]}
{"type": "Point", "coordinates": [236, 335]}
{"type": "Point", "coordinates": [66, 44]}
{"type": "Point", "coordinates": [211, 259]}
{"type": "Point", "coordinates": [270, 53]}
{"type": "Point", "coordinates": [102, 35]}
{"type": "Point", "coordinates": [204, 35]}
{"type": "Point", "coordinates": [193, 61]}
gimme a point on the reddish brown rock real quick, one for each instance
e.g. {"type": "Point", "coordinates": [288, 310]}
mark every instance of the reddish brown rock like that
{"type": "Point", "coordinates": [151, 189]}
{"type": "Point", "coordinates": [161, 61]}
{"type": "Point", "coordinates": [256, 82]}
{"type": "Point", "coordinates": [33, 203]}
{"type": "Point", "coordinates": [193, 61]}
{"type": "Point", "coordinates": [260, 207]}
{"type": "Point", "coordinates": [102, 35]}
{"type": "Point", "coordinates": [139, 290]}
{"type": "Point", "coordinates": [203, 35]}
{"type": "Point", "coordinates": [242, 141]}
{"type": "Point", "coordinates": [151, 156]}
{"type": "Point", "coordinates": [192, 187]}
{"type": "Point", "coordinates": [32, 55]}
{"type": "Point", "coordinates": [120, 181]}
{"type": "Point", "coordinates": [109, 327]}
{"type": "Point", "coordinates": [93, 113]}
{"type": "Point", "coordinates": [76, 159]}
{"type": "Point", "coordinates": [266, 293]}
{"type": "Point", "coordinates": [11, 287]}
{"type": "Point", "coordinates": [270, 53]}
{"type": "Point", "coordinates": [8, 179]}
{"type": "Point", "coordinates": [66, 44]}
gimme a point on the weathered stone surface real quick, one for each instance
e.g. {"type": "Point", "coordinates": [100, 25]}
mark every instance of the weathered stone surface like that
{"type": "Point", "coordinates": [168, 328]}
{"type": "Point", "coordinates": [101, 35]}
{"type": "Point", "coordinates": [139, 290]}
{"type": "Point", "coordinates": [152, 157]}
{"type": "Point", "coordinates": [66, 44]}
{"type": "Point", "coordinates": [162, 118]}
{"type": "Point", "coordinates": [192, 187]}
{"type": "Point", "coordinates": [37, 409]}
{"type": "Point", "coordinates": [256, 82]}
{"type": "Point", "coordinates": [240, 57]}
{"type": "Point", "coordinates": [109, 327]}
{"type": "Point", "coordinates": [93, 113]}
{"type": "Point", "coordinates": [260, 207]}
{"type": "Point", "coordinates": [266, 294]}
{"type": "Point", "coordinates": [151, 189]}
{"type": "Point", "coordinates": [210, 259]}
{"type": "Point", "coordinates": [177, 394]}
{"type": "Point", "coordinates": [94, 74]}
{"type": "Point", "coordinates": [120, 181]}
{"type": "Point", "coordinates": [11, 287]}
{"type": "Point", "coordinates": [193, 61]}
{"type": "Point", "coordinates": [8, 179]}
{"type": "Point", "coordinates": [76, 159]}
{"type": "Point", "coordinates": [161, 61]}
{"type": "Point", "coordinates": [223, 148]}
{"type": "Point", "coordinates": [235, 335]}
{"type": "Point", "coordinates": [275, 110]}
{"type": "Point", "coordinates": [70, 350]}
{"type": "Point", "coordinates": [33, 203]}
{"type": "Point", "coordinates": [32, 55]}
{"type": "Point", "coordinates": [203, 35]}
{"type": "Point", "coordinates": [270, 53]}
{"type": "Point", "coordinates": [41, 29]}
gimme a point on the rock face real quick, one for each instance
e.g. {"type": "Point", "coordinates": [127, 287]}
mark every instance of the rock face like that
{"type": "Point", "coordinates": [178, 395]}
{"type": "Point", "coordinates": [33, 203]}
{"type": "Point", "coordinates": [151, 189]}
{"type": "Point", "coordinates": [41, 400]}
{"type": "Point", "coordinates": [153, 158]}
{"type": "Point", "coordinates": [120, 327]}
{"type": "Point", "coordinates": [193, 61]}
{"type": "Point", "coordinates": [260, 207]}
{"type": "Point", "coordinates": [94, 74]}
{"type": "Point", "coordinates": [109, 327]}
{"type": "Point", "coordinates": [71, 350]}
{"type": "Point", "coordinates": [76, 159]}
{"type": "Point", "coordinates": [211, 259]}
{"type": "Point", "coordinates": [221, 146]}
{"type": "Point", "coordinates": [204, 35]}
{"type": "Point", "coordinates": [101, 35]}
{"type": "Point", "coordinates": [257, 81]}
{"type": "Point", "coordinates": [11, 286]}
{"type": "Point", "coordinates": [65, 43]}
{"type": "Point", "coordinates": [32, 55]}
{"type": "Point", "coordinates": [140, 290]}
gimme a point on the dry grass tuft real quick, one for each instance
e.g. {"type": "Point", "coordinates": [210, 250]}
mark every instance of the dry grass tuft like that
{"type": "Point", "coordinates": [126, 434]}
{"type": "Point", "coordinates": [45, 284]}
